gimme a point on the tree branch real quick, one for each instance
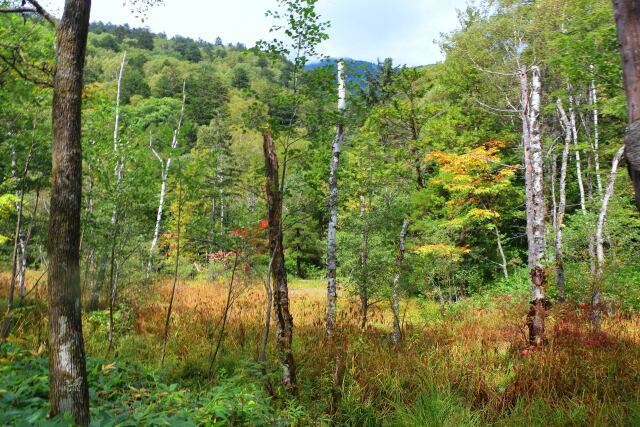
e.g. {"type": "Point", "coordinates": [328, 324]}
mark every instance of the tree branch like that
{"type": "Point", "coordinates": [37, 9]}
{"type": "Point", "coordinates": [42, 12]}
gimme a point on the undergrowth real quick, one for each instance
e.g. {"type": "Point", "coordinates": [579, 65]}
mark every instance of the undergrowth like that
{"type": "Point", "coordinates": [460, 364]}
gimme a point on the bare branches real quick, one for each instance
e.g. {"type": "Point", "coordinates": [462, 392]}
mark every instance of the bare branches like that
{"type": "Point", "coordinates": [18, 10]}
{"type": "Point", "coordinates": [496, 109]}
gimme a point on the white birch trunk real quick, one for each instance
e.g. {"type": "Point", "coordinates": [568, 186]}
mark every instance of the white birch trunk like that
{"type": "Point", "coordinates": [526, 143]}
{"type": "Point", "coordinates": [596, 142]}
{"type": "Point", "coordinates": [583, 203]}
{"type": "Point", "coordinates": [165, 166]}
{"type": "Point", "coordinates": [395, 293]}
{"type": "Point", "coordinates": [332, 295]}
{"type": "Point", "coordinates": [503, 258]}
{"type": "Point", "coordinates": [535, 200]}
{"type": "Point", "coordinates": [603, 210]}
{"type": "Point", "coordinates": [597, 293]}
{"type": "Point", "coordinates": [117, 148]}
{"type": "Point", "coordinates": [574, 133]}
{"type": "Point", "coordinates": [562, 203]}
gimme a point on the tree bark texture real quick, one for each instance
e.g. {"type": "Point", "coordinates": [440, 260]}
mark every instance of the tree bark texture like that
{"type": "Point", "coordinates": [597, 292]}
{"type": "Point", "coordinates": [332, 292]}
{"type": "Point", "coordinates": [67, 366]}
{"type": "Point", "coordinates": [627, 14]}
{"type": "Point", "coordinates": [535, 201]}
{"type": "Point", "coordinates": [284, 332]}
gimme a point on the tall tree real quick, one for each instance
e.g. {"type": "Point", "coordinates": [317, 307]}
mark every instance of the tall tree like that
{"type": "Point", "coordinates": [68, 378]}
{"type": "Point", "coordinates": [562, 203]}
{"type": "Point", "coordinates": [535, 203]}
{"type": "Point", "coordinates": [332, 291]}
{"type": "Point", "coordinates": [284, 334]}
{"type": "Point", "coordinates": [627, 13]}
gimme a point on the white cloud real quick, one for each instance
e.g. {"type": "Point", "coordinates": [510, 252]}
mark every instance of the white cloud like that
{"type": "Point", "coordinates": [362, 29]}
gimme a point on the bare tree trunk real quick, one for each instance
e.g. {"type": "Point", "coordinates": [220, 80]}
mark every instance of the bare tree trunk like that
{"type": "Point", "coordinates": [574, 132]}
{"type": "Point", "coordinates": [535, 202]}
{"type": "Point", "coordinates": [165, 335]}
{"type": "Point", "coordinates": [597, 293]}
{"type": "Point", "coordinates": [503, 258]}
{"type": "Point", "coordinates": [583, 203]}
{"type": "Point", "coordinates": [364, 276]}
{"type": "Point", "coordinates": [596, 137]}
{"type": "Point", "coordinates": [627, 13]}
{"type": "Point", "coordinates": [165, 165]}
{"type": "Point", "coordinates": [332, 294]}
{"type": "Point", "coordinates": [284, 335]}
{"type": "Point", "coordinates": [526, 146]}
{"type": "Point", "coordinates": [396, 336]}
{"type": "Point", "coordinates": [560, 281]}
{"type": "Point", "coordinates": [68, 390]}
{"type": "Point", "coordinates": [119, 154]}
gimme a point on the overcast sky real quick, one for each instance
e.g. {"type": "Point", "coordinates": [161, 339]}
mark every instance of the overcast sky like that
{"type": "Point", "coordinates": [361, 29]}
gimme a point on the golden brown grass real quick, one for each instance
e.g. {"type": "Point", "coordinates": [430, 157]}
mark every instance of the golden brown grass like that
{"type": "Point", "coordinates": [478, 356]}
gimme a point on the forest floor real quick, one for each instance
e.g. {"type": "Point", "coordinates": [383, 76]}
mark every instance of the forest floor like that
{"type": "Point", "coordinates": [459, 364]}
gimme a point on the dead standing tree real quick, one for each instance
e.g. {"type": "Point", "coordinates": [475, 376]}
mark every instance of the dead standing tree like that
{"type": "Point", "coordinates": [284, 332]}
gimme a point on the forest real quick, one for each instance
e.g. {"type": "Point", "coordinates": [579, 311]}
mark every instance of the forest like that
{"type": "Point", "coordinates": [209, 233]}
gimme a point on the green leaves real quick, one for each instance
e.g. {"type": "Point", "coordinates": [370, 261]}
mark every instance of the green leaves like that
{"type": "Point", "coordinates": [124, 394]}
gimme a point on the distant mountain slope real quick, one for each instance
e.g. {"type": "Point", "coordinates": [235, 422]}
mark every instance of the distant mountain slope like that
{"type": "Point", "coordinates": [356, 69]}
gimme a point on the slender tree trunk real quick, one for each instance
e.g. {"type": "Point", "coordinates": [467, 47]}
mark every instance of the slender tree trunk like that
{"type": "Point", "coordinates": [165, 335]}
{"type": "Point", "coordinates": [284, 334]}
{"type": "Point", "coordinates": [17, 239]}
{"type": "Point", "coordinates": [119, 155]}
{"type": "Point", "coordinates": [560, 281]}
{"type": "Point", "coordinates": [115, 276]}
{"type": "Point", "coordinates": [68, 390]}
{"type": "Point", "coordinates": [396, 336]}
{"type": "Point", "coordinates": [535, 203]}
{"type": "Point", "coordinates": [364, 275]}
{"type": "Point", "coordinates": [165, 165]}
{"type": "Point", "coordinates": [225, 316]}
{"type": "Point", "coordinates": [503, 258]}
{"type": "Point", "coordinates": [583, 203]}
{"type": "Point", "coordinates": [332, 293]}
{"type": "Point", "coordinates": [156, 231]}
{"type": "Point", "coordinates": [627, 14]}
{"type": "Point", "coordinates": [574, 133]}
{"type": "Point", "coordinates": [24, 249]}
{"type": "Point", "coordinates": [596, 136]}
{"type": "Point", "coordinates": [597, 293]}
{"type": "Point", "coordinates": [526, 146]}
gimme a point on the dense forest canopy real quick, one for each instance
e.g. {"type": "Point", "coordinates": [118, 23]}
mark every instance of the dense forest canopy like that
{"type": "Point", "coordinates": [375, 218]}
